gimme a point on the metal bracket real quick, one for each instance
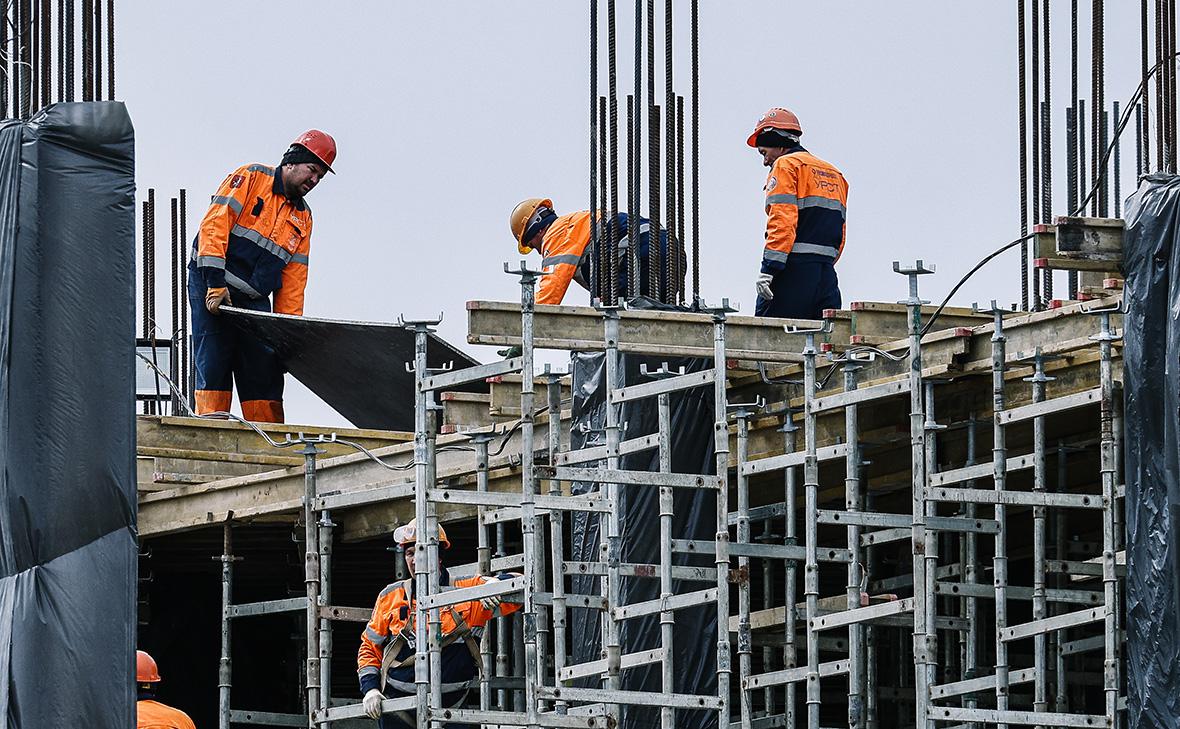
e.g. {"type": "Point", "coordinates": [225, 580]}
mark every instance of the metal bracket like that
{"type": "Point", "coordinates": [912, 273]}
{"type": "Point", "coordinates": [662, 371]}
{"type": "Point", "coordinates": [997, 313]}
{"type": "Point", "coordinates": [719, 311]}
{"type": "Point", "coordinates": [526, 274]}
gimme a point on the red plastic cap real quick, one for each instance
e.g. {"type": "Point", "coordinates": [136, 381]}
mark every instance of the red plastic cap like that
{"type": "Point", "coordinates": [320, 144]}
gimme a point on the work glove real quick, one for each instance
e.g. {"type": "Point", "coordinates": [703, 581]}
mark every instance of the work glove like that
{"type": "Point", "coordinates": [763, 286]}
{"type": "Point", "coordinates": [214, 298]}
{"type": "Point", "coordinates": [514, 351]}
{"type": "Point", "coordinates": [493, 602]}
{"type": "Point", "coordinates": [372, 703]}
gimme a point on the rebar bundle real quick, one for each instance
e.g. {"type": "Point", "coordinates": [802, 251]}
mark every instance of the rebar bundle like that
{"type": "Point", "coordinates": [40, 58]}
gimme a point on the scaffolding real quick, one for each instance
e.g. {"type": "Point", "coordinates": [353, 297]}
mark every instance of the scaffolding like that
{"type": "Point", "coordinates": [962, 664]}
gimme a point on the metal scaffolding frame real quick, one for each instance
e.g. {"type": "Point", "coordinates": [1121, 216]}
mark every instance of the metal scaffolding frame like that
{"type": "Point", "coordinates": [852, 639]}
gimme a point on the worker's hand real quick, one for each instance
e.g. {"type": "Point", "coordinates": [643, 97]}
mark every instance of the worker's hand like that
{"type": "Point", "coordinates": [763, 286]}
{"type": "Point", "coordinates": [372, 703]}
{"type": "Point", "coordinates": [214, 298]}
{"type": "Point", "coordinates": [511, 352]}
{"type": "Point", "coordinates": [493, 602]}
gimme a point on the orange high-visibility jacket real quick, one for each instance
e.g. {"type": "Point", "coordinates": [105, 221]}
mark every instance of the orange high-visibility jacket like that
{"type": "Point", "coordinates": [255, 239]}
{"type": "Point", "coordinates": [396, 610]}
{"type": "Point", "coordinates": [154, 715]}
{"type": "Point", "coordinates": [806, 201]}
{"type": "Point", "coordinates": [563, 247]}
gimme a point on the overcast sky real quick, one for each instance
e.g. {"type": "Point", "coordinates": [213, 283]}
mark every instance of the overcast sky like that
{"type": "Point", "coordinates": [448, 113]}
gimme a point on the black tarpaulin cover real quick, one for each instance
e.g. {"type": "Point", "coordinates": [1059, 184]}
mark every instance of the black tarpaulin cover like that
{"type": "Point", "coordinates": [695, 632]}
{"type": "Point", "coordinates": [358, 368]}
{"type": "Point", "coordinates": [67, 420]}
{"type": "Point", "coordinates": [1152, 408]}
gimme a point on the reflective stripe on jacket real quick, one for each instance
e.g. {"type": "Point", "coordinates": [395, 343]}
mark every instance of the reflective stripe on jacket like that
{"type": "Point", "coordinates": [806, 201]}
{"type": "Point", "coordinates": [564, 247]}
{"type": "Point", "coordinates": [256, 239]}
{"type": "Point", "coordinates": [395, 612]}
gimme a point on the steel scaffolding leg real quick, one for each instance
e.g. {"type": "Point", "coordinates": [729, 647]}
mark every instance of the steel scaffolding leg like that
{"type": "Point", "coordinates": [311, 579]}
{"type": "Point", "coordinates": [225, 665]}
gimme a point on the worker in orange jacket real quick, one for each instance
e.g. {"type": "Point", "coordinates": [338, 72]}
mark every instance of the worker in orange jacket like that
{"type": "Point", "coordinates": [806, 201]}
{"type": "Point", "coordinates": [253, 243]}
{"type": "Point", "coordinates": [564, 244]}
{"type": "Point", "coordinates": [385, 660]}
{"type": "Point", "coordinates": [149, 713]}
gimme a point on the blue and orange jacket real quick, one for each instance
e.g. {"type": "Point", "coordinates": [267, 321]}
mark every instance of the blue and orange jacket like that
{"type": "Point", "coordinates": [395, 614]}
{"type": "Point", "coordinates": [566, 254]}
{"type": "Point", "coordinates": [255, 239]}
{"type": "Point", "coordinates": [806, 201]}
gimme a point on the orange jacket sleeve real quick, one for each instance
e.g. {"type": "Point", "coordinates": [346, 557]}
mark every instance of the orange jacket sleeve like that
{"type": "Point", "coordinates": [782, 214]}
{"type": "Point", "coordinates": [213, 234]}
{"type": "Point", "coordinates": [373, 640]}
{"type": "Point", "coordinates": [474, 612]}
{"type": "Point", "coordinates": [289, 297]}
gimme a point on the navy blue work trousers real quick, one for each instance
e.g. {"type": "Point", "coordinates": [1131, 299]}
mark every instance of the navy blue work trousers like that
{"type": "Point", "coordinates": [802, 290]}
{"type": "Point", "coordinates": [224, 355]}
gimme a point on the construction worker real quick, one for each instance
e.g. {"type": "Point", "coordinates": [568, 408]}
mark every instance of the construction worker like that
{"type": "Point", "coordinates": [564, 244]}
{"type": "Point", "coordinates": [385, 660]}
{"type": "Point", "coordinates": [805, 209]}
{"type": "Point", "coordinates": [149, 713]}
{"type": "Point", "coordinates": [252, 243]}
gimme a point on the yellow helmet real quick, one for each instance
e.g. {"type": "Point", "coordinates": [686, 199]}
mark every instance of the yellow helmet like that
{"type": "Point", "coordinates": [521, 216]}
{"type": "Point", "coordinates": [408, 534]}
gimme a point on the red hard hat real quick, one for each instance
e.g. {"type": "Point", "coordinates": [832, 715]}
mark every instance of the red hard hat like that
{"type": "Point", "coordinates": [145, 668]}
{"type": "Point", "coordinates": [320, 144]}
{"type": "Point", "coordinates": [776, 118]}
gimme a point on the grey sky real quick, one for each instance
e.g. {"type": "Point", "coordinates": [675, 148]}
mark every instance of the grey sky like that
{"type": "Point", "coordinates": [448, 113]}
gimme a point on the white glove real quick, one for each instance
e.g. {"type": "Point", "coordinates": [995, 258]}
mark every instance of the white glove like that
{"type": "Point", "coordinates": [763, 285]}
{"type": "Point", "coordinates": [493, 602]}
{"type": "Point", "coordinates": [372, 703]}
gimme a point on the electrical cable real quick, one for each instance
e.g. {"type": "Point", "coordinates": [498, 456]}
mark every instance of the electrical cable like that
{"type": "Point", "coordinates": [1126, 116]}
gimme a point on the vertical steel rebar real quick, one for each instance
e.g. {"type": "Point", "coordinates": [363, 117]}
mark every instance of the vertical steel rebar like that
{"type": "Point", "coordinates": [677, 251]}
{"type": "Point", "coordinates": [613, 237]}
{"type": "Point", "coordinates": [46, 54]}
{"type": "Point", "coordinates": [596, 243]}
{"type": "Point", "coordinates": [1034, 113]}
{"type": "Point", "coordinates": [175, 297]}
{"type": "Point", "coordinates": [1072, 181]}
{"type": "Point", "coordinates": [696, 104]}
{"type": "Point", "coordinates": [111, 49]}
{"type": "Point", "coordinates": [654, 204]}
{"type": "Point", "coordinates": [96, 30]}
{"type": "Point", "coordinates": [1022, 108]}
{"type": "Point", "coordinates": [69, 52]}
{"type": "Point", "coordinates": [632, 209]}
{"type": "Point", "coordinates": [87, 50]}
{"type": "Point", "coordinates": [186, 343]}
{"type": "Point", "coordinates": [664, 256]}
{"type": "Point", "coordinates": [1144, 123]}
{"type": "Point", "coordinates": [1161, 126]}
{"type": "Point", "coordinates": [1116, 171]}
{"type": "Point", "coordinates": [606, 226]}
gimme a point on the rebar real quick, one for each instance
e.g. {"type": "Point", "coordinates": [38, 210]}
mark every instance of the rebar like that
{"type": "Point", "coordinates": [176, 295]}
{"type": "Point", "coordinates": [596, 243]}
{"type": "Point", "coordinates": [96, 30]}
{"type": "Point", "coordinates": [1115, 162]}
{"type": "Point", "coordinates": [186, 343]}
{"type": "Point", "coordinates": [87, 50]}
{"type": "Point", "coordinates": [1144, 157]}
{"type": "Point", "coordinates": [606, 225]}
{"type": "Point", "coordinates": [46, 54]}
{"type": "Point", "coordinates": [111, 50]}
{"type": "Point", "coordinates": [664, 290]}
{"type": "Point", "coordinates": [1023, 153]}
{"type": "Point", "coordinates": [655, 211]}
{"type": "Point", "coordinates": [69, 55]}
{"type": "Point", "coordinates": [696, 103]}
{"type": "Point", "coordinates": [612, 240]}
{"type": "Point", "coordinates": [677, 251]}
{"type": "Point", "coordinates": [629, 273]}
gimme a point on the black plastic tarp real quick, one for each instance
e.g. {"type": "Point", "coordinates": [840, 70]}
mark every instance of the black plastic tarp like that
{"type": "Point", "coordinates": [695, 642]}
{"type": "Point", "coordinates": [67, 419]}
{"type": "Point", "coordinates": [1151, 360]}
{"type": "Point", "coordinates": [358, 368]}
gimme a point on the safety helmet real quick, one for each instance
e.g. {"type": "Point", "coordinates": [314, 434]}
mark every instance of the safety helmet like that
{"type": "Point", "coordinates": [320, 144]}
{"type": "Point", "coordinates": [522, 216]}
{"type": "Point", "coordinates": [408, 534]}
{"type": "Point", "coordinates": [776, 118]}
{"type": "Point", "coordinates": [145, 668]}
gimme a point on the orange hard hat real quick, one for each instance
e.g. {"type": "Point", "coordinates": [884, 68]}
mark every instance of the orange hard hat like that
{"type": "Point", "coordinates": [145, 668]}
{"type": "Point", "coordinates": [522, 216]}
{"type": "Point", "coordinates": [776, 118]}
{"type": "Point", "coordinates": [320, 144]}
{"type": "Point", "coordinates": [408, 534]}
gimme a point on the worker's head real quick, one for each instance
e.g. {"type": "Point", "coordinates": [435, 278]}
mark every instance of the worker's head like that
{"type": "Point", "coordinates": [306, 161]}
{"type": "Point", "coordinates": [529, 221]}
{"type": "Point", "coordinates": [776, 133]}
{"type": "Point", "coordinates": [406, 537]}
{"type": "Point", "coordinates": [147, 674]}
